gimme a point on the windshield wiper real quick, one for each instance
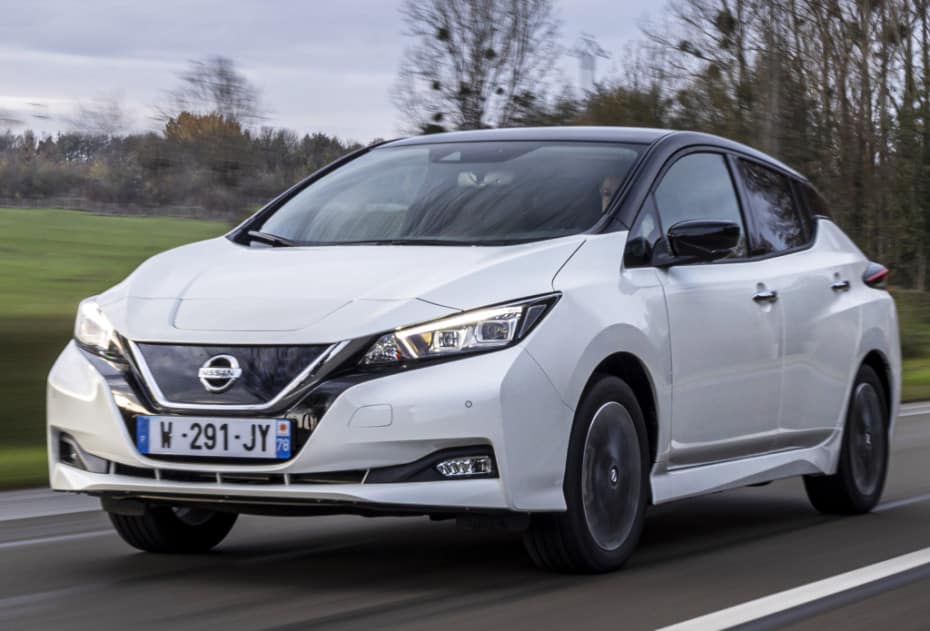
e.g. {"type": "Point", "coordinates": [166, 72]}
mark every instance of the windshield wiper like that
{"type": "Point", "coordinates": [271, 239]}
{"type": "Point", "coordinates": [281, 242]}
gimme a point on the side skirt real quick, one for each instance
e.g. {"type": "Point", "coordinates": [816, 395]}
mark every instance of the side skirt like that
{"type": "Point", "coordinates": [676, 484]}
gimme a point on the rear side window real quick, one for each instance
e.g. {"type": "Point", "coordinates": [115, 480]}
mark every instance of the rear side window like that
{"type": "Point", "coordinates": [815, 202]}
{"type": "Point", "coordinates": [699, 187]}
{"type": "Point", "coordinates": [777, 224]}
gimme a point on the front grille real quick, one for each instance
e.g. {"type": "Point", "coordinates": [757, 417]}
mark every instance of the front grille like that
{"type": "Point", "coordinates": [265, 371]}
{"type": "Point", "coordinates": [132, 401]}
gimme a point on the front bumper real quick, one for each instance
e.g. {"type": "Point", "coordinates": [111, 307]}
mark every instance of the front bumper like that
{"type": "Point", "coordinates": [502, 400]}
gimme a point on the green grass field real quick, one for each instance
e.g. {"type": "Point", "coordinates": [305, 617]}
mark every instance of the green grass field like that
{"type": "Point", "coordinates": [51, 259]}
{"type": "Point", "coordinates": [914, 319]}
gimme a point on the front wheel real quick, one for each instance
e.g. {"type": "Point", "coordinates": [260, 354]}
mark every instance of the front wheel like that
{"type": "Point", "coordinates": [857, 485]}
{"type": "Point", "coordinates": [606, 486]}
{"type": "Point", "coordinates": [173, 530]}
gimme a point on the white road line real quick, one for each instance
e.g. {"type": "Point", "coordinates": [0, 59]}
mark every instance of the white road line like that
{"type": "Point", "coordinates": [43, 503]}
{"type": "Point", "coordinates": [915, 409]}
{"type": "Point", "coordinates": [38, 597]}
{"type": "Point", "coordinates": [41, 540]}
{"type": "Point", "coordinates": [302, 552]}
{"type": "Point", "coordinates": [898, 503]}
{"type": "Point", "coordinates": [806, 594]}
{"type": "Point", "coordinates": [26, 494]}
{"type": "Point", "coordinates": [8, 513]}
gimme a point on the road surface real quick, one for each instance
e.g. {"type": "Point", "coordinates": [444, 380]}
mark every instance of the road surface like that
{"type": "Point", "coordinates": [760, 557]}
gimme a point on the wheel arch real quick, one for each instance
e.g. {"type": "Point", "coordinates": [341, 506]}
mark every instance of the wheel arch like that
{"type": "Point", "coordinates": [877, 361]}
{"type": "Point", "coordinates": [633, 371]}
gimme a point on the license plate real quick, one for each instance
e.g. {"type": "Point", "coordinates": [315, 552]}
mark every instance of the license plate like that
{"type": "Point", "coordinates": [212, 437]}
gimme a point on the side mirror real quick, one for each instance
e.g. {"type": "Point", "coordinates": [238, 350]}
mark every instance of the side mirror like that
{"type": "Point", "coordinates": [702, 241]}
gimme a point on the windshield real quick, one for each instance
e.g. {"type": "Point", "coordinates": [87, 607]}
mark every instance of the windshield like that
{"type": "Point", "coordinates": [469, 192]}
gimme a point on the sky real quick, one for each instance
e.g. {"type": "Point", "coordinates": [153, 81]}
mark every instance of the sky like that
{"type": "Point", "coordinates": [321, 65]}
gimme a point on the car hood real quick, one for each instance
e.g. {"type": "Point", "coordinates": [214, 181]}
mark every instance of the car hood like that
{"type": "Point", "coordinates": [219, 291]}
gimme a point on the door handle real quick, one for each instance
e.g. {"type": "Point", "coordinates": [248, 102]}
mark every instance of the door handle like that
{"type": "Point", "coordinates": [765, 295]}
{"type": "Point", "coordinates": [840, 285]}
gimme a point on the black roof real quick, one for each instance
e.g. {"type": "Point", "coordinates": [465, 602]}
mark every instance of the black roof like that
{"type": "Point", "coordinates": [637, 135]}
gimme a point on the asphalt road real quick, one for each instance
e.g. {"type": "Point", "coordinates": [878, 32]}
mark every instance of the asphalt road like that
{"type": "Point", "coordinates": [62, 568]}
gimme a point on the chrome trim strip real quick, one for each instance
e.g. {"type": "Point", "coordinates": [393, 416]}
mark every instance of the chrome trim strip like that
{"type": "Point", "coordinates": [295, 383]}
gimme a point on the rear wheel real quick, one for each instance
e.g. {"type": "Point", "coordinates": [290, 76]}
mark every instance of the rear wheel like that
{"type": "Point", "coordinates": [606, 486]}
{"type": "Point", "coordinates": [857, 485]}
{"type": "Point", "coordinates": [173, 530]}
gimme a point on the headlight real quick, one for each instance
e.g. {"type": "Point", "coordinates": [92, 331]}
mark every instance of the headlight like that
{"type": "Point", "coordinates": [485, 329]}
{"type": "Point", "coordinates": [93, 331]}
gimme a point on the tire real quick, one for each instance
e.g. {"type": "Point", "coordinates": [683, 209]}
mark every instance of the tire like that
{"type": "Point", "coordinates": [169, 530]}
{"type": "Point", "coordinates": [606, 486]}
{"type": "Point", "coordinates": [857, 485]}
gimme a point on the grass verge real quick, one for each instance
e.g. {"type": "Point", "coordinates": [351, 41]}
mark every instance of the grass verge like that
{"type": "Point", "coordinates": [914, 323]}
{"type": "Point", "coordinates": [915, 384]}
{"type": "Point", "coordinates": [22, 467]}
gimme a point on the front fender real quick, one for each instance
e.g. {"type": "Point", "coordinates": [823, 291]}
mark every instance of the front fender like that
{"type": "Point", "coordinates": [605, 310]}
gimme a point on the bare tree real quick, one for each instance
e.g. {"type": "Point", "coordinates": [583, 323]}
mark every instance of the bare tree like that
{"type": "Point", "coordinates": [214, 86]}
{"type": "Point", "coordinates": [712, 41]}
{"type": "Point", "coordinates": [104, 116]}
{"type": "Point", "coordinates": [475, 63]}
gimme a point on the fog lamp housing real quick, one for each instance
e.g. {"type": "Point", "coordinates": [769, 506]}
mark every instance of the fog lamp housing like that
{"type": "Point", "coordinates": [465, 466]}
{"type": "Point", "coordinates": [71, 453]}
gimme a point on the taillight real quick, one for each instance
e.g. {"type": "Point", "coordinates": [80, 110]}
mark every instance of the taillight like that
{"type": "Point", "coordinates": [876, 276]}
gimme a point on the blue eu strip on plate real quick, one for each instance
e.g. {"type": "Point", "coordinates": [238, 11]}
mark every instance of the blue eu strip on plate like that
{"type": "Point", "coordinates": [142, 434]}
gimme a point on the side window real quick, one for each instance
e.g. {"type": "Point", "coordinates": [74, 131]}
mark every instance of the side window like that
{"type": "Point", "coordinates": [777, 220]}
{"type": "Point", "coordinates": [816, 204]}
{"type": "Point", "coordinates": [699, 187]}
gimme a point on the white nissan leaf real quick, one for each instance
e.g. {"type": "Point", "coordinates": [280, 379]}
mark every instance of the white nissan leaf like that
{"type": "Point", "coordinates": [542, 329]}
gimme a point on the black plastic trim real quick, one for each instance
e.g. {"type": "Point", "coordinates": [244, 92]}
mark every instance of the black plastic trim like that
{"type": "Point", "coordinates": [136, 472]}
{"type": "Point", "coordinates": [352, 476]}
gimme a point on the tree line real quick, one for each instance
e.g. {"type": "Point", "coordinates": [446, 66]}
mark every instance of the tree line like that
{"type": "Point", "coordinates": [211, 155]}
{"type": "Point", "coordinates": [201, 164]}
